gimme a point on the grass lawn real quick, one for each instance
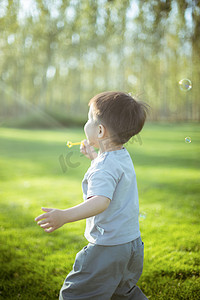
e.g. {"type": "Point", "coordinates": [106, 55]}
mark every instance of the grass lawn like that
{"type": "Point", "coordinates": [37, 169]}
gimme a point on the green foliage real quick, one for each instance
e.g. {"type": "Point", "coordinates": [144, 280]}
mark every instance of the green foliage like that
{"type": "Point", "coordinates": [34, 264]}
{"type": "Point", "coordinates": [62, 53]}
{"type": "Point", "coordinates": [45, 119]}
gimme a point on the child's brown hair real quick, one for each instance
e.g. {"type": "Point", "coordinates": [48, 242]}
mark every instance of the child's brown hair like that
{"type": "Point", "coordinates": [120, 113]}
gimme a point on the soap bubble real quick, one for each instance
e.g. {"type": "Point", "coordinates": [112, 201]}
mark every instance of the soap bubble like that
{"type": "Point", "coordinates": [185, 85]}
{"type": "Point", "coordinates": [188, 140]}
{"type": "Point", "coordinates": [142, 216]}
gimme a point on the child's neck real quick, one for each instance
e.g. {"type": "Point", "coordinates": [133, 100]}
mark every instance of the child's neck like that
{"type": "Point", "coordinates": [107, 146]}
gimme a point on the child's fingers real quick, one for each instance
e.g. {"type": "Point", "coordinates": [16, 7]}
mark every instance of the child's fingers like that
{"type": "Point", "coordinates": [88, 150]}
{"type": "Point", "coordinates": [40, 217]}
{"type": "Point", "coordinates": [86, 147]}
{"type": "Point", "coordinates": [82, 149]}
{"type": "Point", "coordinates": [47, 209]}
{"type": "Point", "coordinates": [49, 230]}
{"type": "Point", "coordinates": [43, 222]}
{"type": "Point", "coordinates": [43, 216]}
{"type": "Point", "coordinates": [83, 144]}
{"type": "Point", "coordinates": [47, 225]}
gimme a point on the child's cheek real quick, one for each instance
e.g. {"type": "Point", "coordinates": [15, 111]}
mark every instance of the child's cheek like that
{"type": "Point", "coordinates": [85, 127]}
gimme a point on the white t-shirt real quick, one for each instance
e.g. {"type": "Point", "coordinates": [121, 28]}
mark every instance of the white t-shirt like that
{"type": "Point", "coordinates": [112, 175]}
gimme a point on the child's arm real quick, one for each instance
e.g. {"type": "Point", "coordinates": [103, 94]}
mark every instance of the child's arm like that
{"type": "Point", "coordinates": [55, 218]}
{"type": "Point", "coordinates": [88, 150]}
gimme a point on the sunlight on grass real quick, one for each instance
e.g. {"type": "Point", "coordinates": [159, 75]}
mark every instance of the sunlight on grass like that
{"type": "Point", "coordinates": [37, 169]}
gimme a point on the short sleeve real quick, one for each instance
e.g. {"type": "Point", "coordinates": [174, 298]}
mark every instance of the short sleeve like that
{"type": "Point", "coordinates": [101, 183]}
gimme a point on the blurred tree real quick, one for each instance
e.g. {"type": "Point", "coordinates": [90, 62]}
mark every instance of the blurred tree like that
{"type": "Point", "coordinates": [58, 54]}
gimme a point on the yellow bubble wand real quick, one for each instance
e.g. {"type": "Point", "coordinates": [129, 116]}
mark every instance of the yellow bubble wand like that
{"type": "Point", "coordinates": [70, 144]}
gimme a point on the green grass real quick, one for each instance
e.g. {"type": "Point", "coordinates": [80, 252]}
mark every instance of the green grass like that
{"type": "Point", "coordinates": [34, 173]}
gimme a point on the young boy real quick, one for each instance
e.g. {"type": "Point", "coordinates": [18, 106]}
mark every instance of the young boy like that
{"type": "Point", "coordinates": [111, 264]}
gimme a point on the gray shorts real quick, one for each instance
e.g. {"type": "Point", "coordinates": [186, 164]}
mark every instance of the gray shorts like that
{"type": "Point", "coordinates": [106, 272]}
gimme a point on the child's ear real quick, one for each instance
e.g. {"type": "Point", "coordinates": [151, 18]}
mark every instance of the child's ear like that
{"type": "Point", "coordinates": [102, 131]}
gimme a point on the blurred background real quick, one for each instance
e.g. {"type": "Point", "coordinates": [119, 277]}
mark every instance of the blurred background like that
{"type": "Point", "coordinates": [55, 55]}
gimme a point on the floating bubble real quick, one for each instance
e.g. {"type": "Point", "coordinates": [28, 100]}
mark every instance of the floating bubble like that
{"type": "Point", "coordinates": [142, 216]}
{"type": "Point", "coordinates": [185, 85]}
{"type": "Point", "coordinates": [188, 140]}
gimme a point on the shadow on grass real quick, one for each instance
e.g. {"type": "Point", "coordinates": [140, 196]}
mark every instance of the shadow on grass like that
{"type": "Point", "coordinates": [57, 157]}
{"type": "Point", "coordinates": [159, 161]}
{"type": "Point", "coordinates": [46, 158]}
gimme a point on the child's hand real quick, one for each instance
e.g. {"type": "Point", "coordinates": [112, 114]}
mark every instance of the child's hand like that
{"type": "Point", "coordinates": [51, 220]}
{"type": "Point", "coordinates": [88, 150]}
